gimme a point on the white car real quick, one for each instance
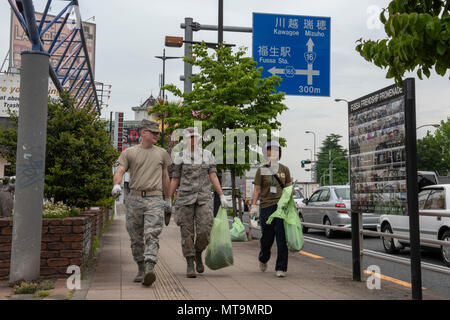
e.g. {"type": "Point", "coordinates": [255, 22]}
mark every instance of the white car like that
{"type": "Point", "coordinates": [298, 198]}
{"type": "Point", "coordinates": [434, 198]}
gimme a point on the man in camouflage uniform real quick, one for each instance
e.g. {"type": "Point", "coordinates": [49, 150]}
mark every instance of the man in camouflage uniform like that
{"type": "Point", "coordinates": [194, 170]}
{"type": "Point", "coordinates": [147, 165]}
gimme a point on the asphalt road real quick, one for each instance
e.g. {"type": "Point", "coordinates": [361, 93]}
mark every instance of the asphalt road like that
{"type": "Point", "coordinates": [431, 280]}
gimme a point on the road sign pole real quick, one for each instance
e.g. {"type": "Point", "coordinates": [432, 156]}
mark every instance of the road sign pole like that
{"type": "Point", "coordinates": [188, 36]}
{"type": "Point", "coordinates": [412, 187]}
{"type": "Point", "coordinates": [30, 168]}
{"type": "Point", "coordinates": [220, 24]}
{"type": "Point", "coordinates": [356, 246]}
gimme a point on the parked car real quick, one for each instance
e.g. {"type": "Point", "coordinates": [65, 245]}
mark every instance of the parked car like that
{"type": "Point", "coordinates": [435, 198]}
{"type": "Point", "coordinates": [426, 178]}
{"type": "Point", "coordinates": [298, 198]}
{"type": "Point", "coordinates": [337, 197]}
{"type": "Point", "coordinates": [228, 195]}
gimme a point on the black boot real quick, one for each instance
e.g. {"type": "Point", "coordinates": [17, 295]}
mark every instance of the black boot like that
{"type": "Point", "coordinates": [149, 274]}
{"type": "Point", "coordinates": [190, 273]}
{"type": "Point", "coordinates": [198, 262]}
{"type": "Point", "coordinates": [140, 274]}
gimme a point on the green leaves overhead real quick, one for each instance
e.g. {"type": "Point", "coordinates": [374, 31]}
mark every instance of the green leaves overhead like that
{"type": "Point", "coordinates": [433, 150]}
{"type": "Point", "coordinates": [418, 38]}
{"type": "Point", "coordinates": [228, 93]}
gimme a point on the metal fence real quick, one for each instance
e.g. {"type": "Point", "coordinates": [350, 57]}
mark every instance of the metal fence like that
{"type": "Point", "coordinates": [374, 254]}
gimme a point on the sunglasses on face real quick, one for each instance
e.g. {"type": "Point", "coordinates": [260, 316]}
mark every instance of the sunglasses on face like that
{"type": "Point", "coordinates": [154, 133]}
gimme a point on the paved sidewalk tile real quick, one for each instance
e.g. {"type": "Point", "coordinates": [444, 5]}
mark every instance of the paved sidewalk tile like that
{"type": "Point", "coordinates": [307, 278]}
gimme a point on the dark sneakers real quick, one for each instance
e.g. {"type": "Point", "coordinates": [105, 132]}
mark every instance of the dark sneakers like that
{"type": "Point", "coordinates": [149, 275]}
{"type": "Point", "coordinates": [198, 262]}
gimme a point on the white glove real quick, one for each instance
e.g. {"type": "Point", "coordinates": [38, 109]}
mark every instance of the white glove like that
{"type": "Point", "coordinates": [254, 211]}
{"type": "Point", "coordinates": [223, 201]}
{"type": "Point", "coordinates": [168, 205]}
{"type": "Point", "coordinates": [116, 190]}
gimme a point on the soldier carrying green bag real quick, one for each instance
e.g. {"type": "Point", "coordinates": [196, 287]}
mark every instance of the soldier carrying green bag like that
{"type": "Point", "coordinates": [194, 171]}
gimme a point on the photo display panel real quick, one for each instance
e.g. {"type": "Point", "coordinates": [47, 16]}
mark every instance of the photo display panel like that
{"type": "Point", "coordinates": [378, 153]}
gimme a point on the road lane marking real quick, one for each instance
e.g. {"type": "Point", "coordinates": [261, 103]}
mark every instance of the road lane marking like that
{"type": "Point", "coordinates": [310, 255]}
{"type": "Point", "coordinates": [399, 282]}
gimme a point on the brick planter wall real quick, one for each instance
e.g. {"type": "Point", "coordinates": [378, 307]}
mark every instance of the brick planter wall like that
{"type": "Point", "coordinates": [64, 242]}
{"type": "Point", "coordinates": [97, 222]}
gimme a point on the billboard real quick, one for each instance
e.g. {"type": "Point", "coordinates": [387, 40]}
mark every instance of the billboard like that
{"type": "Point", "coordinates": [131, 136]}
{"type": "Point", "coordinates": [10, 93]}
{"type": "Point", "coordinates": [19, 40]}
{"type": "Point", "coordinates": [378, 155]}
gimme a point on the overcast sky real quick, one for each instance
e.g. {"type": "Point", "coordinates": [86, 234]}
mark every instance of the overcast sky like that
{"type": "Point", "coordinates": [130, 33]}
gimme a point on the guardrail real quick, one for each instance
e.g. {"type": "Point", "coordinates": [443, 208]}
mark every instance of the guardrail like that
{"type": "Point", "coordinates": [374, 254]}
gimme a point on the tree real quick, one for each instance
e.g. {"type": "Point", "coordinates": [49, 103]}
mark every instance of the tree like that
{"type": "Point", "coordinates": [340, 175]}
{"type": "Point", "coordinates": [418, 36]}
{"type": "Point", "coordinates": [79, 155]}
{"type": "Point", "coordinates": [433, 151]}
{"type": "Point", "coordinates": [228, 93]}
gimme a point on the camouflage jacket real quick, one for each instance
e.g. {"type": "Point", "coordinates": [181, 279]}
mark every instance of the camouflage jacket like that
{"type": "Point", "coordinates": [193, 170]}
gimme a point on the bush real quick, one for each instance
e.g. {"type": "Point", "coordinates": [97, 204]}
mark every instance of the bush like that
{"type": "Point", "coordinates": [33, 287]}
{"type": "Point", "coordinates": [79, 155]}
{"type": "Point", "coordinates": [106, 203]}
{"type": "Point", "coordinates": [26, 288]}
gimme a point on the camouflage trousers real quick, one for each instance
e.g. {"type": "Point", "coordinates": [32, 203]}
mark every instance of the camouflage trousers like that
{"type": "Point", "coordinates": [144, 221]}
{"type": "Point", "coordinates": [195, 221]}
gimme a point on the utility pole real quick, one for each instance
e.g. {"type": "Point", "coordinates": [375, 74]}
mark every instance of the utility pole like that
{"type": "Point", "coordinates": [30, 160]}
{"type": "Point", "coordinates": [188, 37]}
{"type": "Point", "coordinates": [220, 24]}
{"type": "Point", "coordinates": [330, 167]}
{"type": "Point", "coordinates": [164, 58]}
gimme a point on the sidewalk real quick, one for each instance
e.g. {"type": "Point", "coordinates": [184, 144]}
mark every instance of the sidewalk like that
{"type": "Point", "coordinates": [307, 278]}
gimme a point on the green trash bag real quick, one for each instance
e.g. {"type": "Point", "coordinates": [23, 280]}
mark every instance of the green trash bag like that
{"type": "Point", "coordinates": [292, 226]}
{"type": "Point", "coordinates": [219, 253]}
{"type": "Point", "coordinates": [237, 231]}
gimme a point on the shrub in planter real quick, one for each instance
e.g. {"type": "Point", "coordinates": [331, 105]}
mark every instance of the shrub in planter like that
{"type": "Point", "coordinates": [79, 155]}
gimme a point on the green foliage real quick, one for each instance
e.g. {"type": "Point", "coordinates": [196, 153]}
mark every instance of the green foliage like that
{"type": "Point", "coordinates": [46, 285]}
{"type": "Point", "coordinates": [418, 36]}
{"type": "Point", "coordinates": [106, 202]}
{"type": "Point", "coordinates": [42, 294]}
{"type": "Point", "coordinates": [79, 155]}
{"type": "Point", "coordinates": [26, 288]}
{"type": "Point", "coordinates": [340, 175]}
{"type": "Point", "coordinates": [433, 151]}
{"type": "Point", "coordinates": [69, 296]}
{"type": "Point", "coordinates": [228, 93]}
{"type": "Point", "coordinates": [8, 139]}
{"type": "Point", "coordinates": [94, 245]}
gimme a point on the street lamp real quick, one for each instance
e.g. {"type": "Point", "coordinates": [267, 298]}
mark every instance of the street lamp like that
{"type": "Point", "coordinates": [314, 160]}
{"type": "Point", "coordinates": [340, 100]}
{"type": "Point", "coordinates": [164, 58]}
{"type": "Point", "coordinates": [429, 125]}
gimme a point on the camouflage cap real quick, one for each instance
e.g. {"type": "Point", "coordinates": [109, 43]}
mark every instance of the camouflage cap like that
{"type": "Point", "coordinates": [152, 126]}
{"type": "Point", "coordinates": [191, 131]}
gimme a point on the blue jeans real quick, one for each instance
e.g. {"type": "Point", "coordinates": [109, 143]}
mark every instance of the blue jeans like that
{"type": "Point", "coordinates": [269, 233]}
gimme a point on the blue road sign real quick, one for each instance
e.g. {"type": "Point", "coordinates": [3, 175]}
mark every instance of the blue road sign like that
{"type": "Point", "coordinates": [296, 48]}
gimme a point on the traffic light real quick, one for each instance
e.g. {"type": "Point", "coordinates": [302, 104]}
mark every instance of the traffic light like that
{"type": "Point", "coordinates": [305, 162]}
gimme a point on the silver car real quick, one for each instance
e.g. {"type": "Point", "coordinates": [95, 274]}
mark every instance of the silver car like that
{"type": "Point", "coordinates": [337, 197]}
